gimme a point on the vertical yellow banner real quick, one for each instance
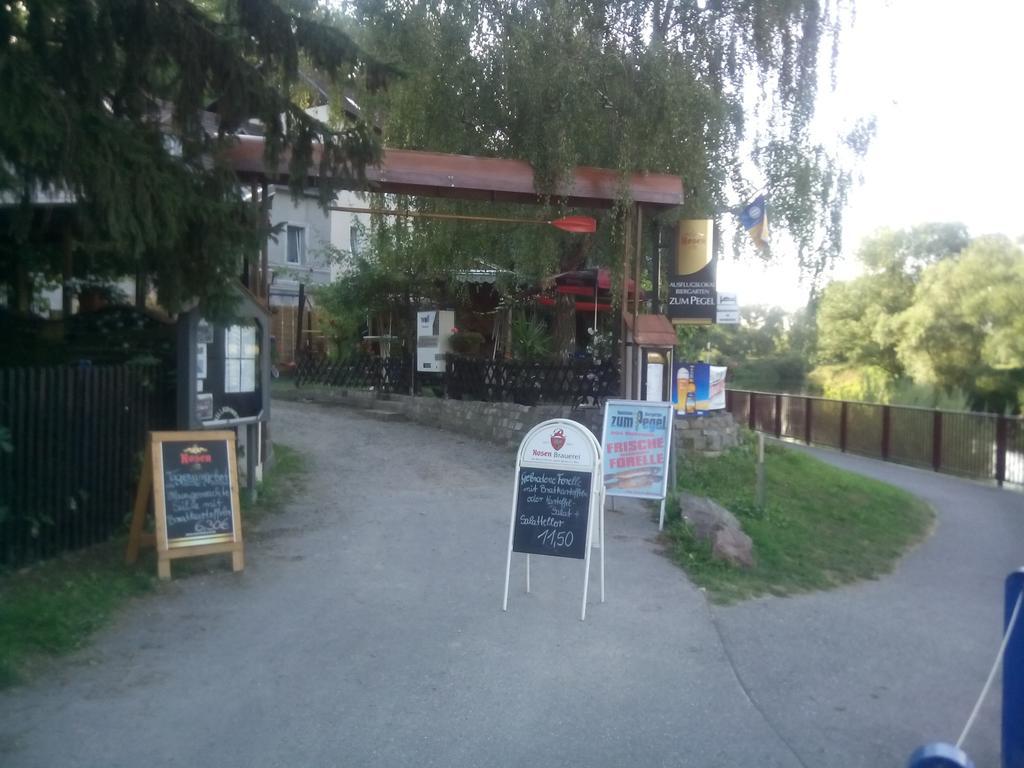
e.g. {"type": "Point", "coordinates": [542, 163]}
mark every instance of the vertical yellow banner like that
{"type": "Point", "coordinates": [695, 247]}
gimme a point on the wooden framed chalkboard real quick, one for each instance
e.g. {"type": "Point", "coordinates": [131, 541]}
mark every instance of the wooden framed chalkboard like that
{"type": "Point", "coordinates": [192, 478]}
{"type": "Point", "coordinates": [552, 512]}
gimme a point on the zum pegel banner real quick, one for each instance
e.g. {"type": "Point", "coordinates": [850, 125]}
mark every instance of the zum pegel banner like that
{"type": "Point", "coordinates": [636, 443]}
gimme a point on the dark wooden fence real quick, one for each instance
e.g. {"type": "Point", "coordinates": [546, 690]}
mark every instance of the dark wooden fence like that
{"type": "Point", "coordinates": [977, 445]}
{"type": "Point", "coordinates": [362, 372]}
{"type": "Point", "coordinates": [74, 453]}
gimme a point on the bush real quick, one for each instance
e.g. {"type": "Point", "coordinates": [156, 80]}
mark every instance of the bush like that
{"type": "Point", "coordinates": [530, 340]}
{"type": "Point", "coordinates": [466, 343]}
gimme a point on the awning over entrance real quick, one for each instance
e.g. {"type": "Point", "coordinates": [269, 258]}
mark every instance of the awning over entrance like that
{"type": "Point", "coordinates": [651, 330]}
{"type": "Point", "coordinates": [465, 177]}
{"type": "Point", "coordinates": [584, 282]}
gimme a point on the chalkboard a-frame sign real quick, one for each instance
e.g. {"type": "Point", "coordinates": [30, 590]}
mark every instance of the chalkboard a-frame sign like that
{"type": "Point", "coordinates": [558, 499]}
{"type": "Point", "coordinates": [193, 480]}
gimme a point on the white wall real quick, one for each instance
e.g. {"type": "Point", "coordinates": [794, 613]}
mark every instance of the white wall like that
{"type": "Point", "coordinates": [341, 228]}
{"type": "Point", "coordinates": [315, 266]}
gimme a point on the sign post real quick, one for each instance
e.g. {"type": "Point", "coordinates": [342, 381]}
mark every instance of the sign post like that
{"type": "Point", "coordinates": [193, 480]}
{"type": "Point", "coordinates": [558, 499]}
{"type": "Point", "coordinates": [637, 448]}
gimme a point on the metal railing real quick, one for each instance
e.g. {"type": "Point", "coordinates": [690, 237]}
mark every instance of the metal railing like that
{"type": "Point", "coordinates": [74, 453]}
{"type": "Point", "coordinates": [976, 445]}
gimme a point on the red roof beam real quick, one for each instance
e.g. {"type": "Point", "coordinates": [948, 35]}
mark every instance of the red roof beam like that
{"type": "Point", "coordinates": [466, 177]}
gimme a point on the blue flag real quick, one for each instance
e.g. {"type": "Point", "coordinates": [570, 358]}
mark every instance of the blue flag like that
{"type": "Point", "coordinates": [754, 218]}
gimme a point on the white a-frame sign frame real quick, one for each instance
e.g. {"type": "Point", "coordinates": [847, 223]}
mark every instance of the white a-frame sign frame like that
{"type": "Point", "coordinates": [558, 499]}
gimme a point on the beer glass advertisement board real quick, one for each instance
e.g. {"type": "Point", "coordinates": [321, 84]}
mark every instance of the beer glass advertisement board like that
{"type": "Point", "coordinates": [698, 388]}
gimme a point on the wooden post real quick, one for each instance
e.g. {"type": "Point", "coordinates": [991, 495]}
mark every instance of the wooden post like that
{"type": "Point", "coordinates": [638, 393]}
{"type": "Point", "coordinates": [265, 248]}
{"type": "Point", "coordinates": [752, 411]}
{"type": "Point", "coordinates": [637, 252]}
{"type": "Point", "coordinates": [141, 504]}
{"type": "Point", "coordinates": [298, 321]}
{"type": "Point", "coordinates": [655, 268]}
{"type": "Point", "coordinates": [778, 415]}
{"type": "Point", "coordinates": [623, 351]}
{"type": "Point", "coordinates": [22, 288]}
{"type": "Point", "coordinates": [886, 431]}
{"type": "Point", "coordinates": [66, 276]}
{"type": "Point", "coordinates": [1000, 450]}
{"type": "Point", "coordinates": [251, 451]}
{"type": "Point", "coordinates": [843, 411]}
{"type": "Point", "coordinates": [141, 287]}
{"type": "Point", "coordinates": [808, 419]}
{"type": "Point", "coordinates": [759, 486]}
{"type": "Point", "coordinates": [937, 440]}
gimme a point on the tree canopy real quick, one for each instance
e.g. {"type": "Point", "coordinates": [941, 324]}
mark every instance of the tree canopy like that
{"type": "Point", "coordinates": [655, 85]}
{"type": "Point", "coordinates": [966, 324]}
{"type": "Point", "coordinates": [935, 309]}
{"type": "Point", "coordinates": [856, 317]}
{"type": "Point", "coordinates": [123, 109]}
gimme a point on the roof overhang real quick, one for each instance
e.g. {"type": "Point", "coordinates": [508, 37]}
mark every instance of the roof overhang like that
{"type": "Point", "coordinates": [467, 177]}
{"type": "Point", "coordinates": [652, 330]}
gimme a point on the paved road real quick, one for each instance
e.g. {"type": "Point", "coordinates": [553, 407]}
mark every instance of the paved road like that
{"type": "Point", "coordinates": [869, 668]}
{"type": "Point", "coordinates": [366, 630]}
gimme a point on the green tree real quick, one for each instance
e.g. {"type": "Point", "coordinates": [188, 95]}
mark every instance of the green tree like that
{"type": "Point", "coordinates": [767, 350]}
{"type": "Point", "coordinates": [103, 106]}
{"type": "Point", "coordinates": [655, 85]}
{"type": "Point", "coordinates": [965, 326]}
{"type": "Point", "coordinates": [856, 318]}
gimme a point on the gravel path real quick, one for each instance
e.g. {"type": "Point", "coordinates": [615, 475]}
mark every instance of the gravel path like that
{"type": "Point", "coordinates": [366, 630]}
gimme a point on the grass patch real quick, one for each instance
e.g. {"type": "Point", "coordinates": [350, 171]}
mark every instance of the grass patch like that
{"type": "Point", "coordinates": [821, 526]}
{"type": "Point", "coordinates": [280, 484]}
{"type": "Point", "coordinates": [54, 607]}
{"type": "Point", "coordinates": [51, 608]}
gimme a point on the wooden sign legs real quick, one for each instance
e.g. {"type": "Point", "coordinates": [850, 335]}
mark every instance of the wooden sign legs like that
{"type": "Point", "coordinates": [136, 536]}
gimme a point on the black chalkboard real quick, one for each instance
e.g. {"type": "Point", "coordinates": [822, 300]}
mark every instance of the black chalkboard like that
{"type": "Point", "coordinates": [552, 512]}
{"type": "Point", "coordinates": [196, 494]}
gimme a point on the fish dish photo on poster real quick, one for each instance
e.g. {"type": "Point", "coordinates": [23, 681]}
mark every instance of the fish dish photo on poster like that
{"type": "Point", "coordinates": [636, 442]}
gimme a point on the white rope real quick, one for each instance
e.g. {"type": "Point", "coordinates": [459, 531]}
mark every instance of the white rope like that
{"type": "Point", "coordinates": [992, 673]}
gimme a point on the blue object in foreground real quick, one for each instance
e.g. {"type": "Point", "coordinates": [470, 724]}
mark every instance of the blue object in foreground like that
{"type": "Point", "coordinates": [1013, 677]}
{"type": "Point", "coordinates": [939, 755]}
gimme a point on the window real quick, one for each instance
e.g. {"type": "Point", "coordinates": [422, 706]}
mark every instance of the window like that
{"type": "Point", "coordinates": [240, 359]}
{"type": "Point", "coordinates": [296, 245]}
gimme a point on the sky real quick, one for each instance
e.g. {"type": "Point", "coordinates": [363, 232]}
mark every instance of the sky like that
{"type": "Point", "coordinates": [943, 79]}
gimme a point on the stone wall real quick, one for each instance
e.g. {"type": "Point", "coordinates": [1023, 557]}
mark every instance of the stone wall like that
{"type": "Point", "coordinates": [502, 423]}
{"type": "Point", "coordinates": [507, 423]}
{"type": "Point", "coordinates": [708, 435]}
